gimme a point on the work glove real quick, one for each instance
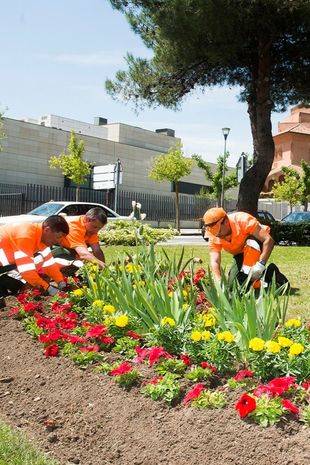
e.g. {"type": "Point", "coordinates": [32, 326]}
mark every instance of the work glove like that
{"type": "Point", "coordinates": [257, 271]}
{"type": "Point", "coordinates": [62, 285]}
{"type": "Point", "coordinates": [51, 290]}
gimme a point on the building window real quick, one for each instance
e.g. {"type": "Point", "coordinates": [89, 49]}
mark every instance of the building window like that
{"type": "Point", "coordinates": [189, 188]}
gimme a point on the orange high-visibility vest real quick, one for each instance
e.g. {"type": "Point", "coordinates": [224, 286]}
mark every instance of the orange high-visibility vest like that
{"type": "Point", "coordinates": [18, 245]}
{"type": "Point", "coordinates": [78, 236]}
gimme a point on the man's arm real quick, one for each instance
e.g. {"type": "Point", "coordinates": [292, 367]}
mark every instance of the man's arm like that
{"type": "Point", "coordinates": [97, 251]}
{"type": "Point", "coordinates": [85, 254]}
{"type": "Point", "coordinates": [215, 263]}
{"type": "Point", "coordinates": [267, 242]}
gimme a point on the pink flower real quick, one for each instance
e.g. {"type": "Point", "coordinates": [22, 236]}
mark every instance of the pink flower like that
{"type": "Point", "coordinates": [288, 405]}
{"type": "Point", "coordinates": [141, 354]}
{"type": "Point", "coordinates": [194, 393]}
{"type": "Point", "coordinates": [243, 374]}
{"type": "Point", "coordinates": [51, 350]}
{"type": "Point", "coordinates": [186, 359]}
{"type": "Point", "coordinates": [263, 389]}
{"type": "Point", "coordinates": [96, 331]}
{"type": "Point", "coordinates": [122, 369]}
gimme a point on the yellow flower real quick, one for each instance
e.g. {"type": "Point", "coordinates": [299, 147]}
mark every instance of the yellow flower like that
{"type": "Point", "coordinates": [109, 309]}
{"type": "Point", "coordinates": [284, 341]}
{"type": "Point", "coordinates": [272, 347]}
{"type": "Point", "coordinates": [98, 303]}
{"type": "Point", "coordinates": [205, 335]}
{"type": "Point", "coordinates": [78, 292]}
{"type": "Point", "coordinates": [185, 294]}
{"type": "Point", "coordinates": [296, 349]}
{"type": "Point", "coordinates": [167, 321]}
{"type": "Point", "coordinates": [209, 320]}
{"type": "Point", "coordinates": [257, 344]}
{"type": "Point", "coordinates": [121, 321]}
{"type": "Point", "coordinates": [108, 321]}
{"type": "Point", "coordinates": [131, 268]}
{"type": "Point", "coordinates": [185, 306]}
{"type": "Point", "coordinates": [196, 336]}
{"type": "Point", "coordinates": [225, 336]}
{"type": "Point", "coordinates": [293, 323]}
{"type": "Point", "coordinates": [170, 293]}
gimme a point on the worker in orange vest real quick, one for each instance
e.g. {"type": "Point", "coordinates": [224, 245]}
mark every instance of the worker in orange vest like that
{"type": "Point", "coordinates": [83, 233]}
{"type": "Point", "coordinates": [250, 243]}
{"type": "Point", "coordinates": [26, 247]}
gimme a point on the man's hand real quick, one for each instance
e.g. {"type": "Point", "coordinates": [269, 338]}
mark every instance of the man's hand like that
{"type": "Point", "coordinates": [62, 285]}
{"type": "Point", "coordinates": [257, 271]}
{"type": "Point", "coordinates": [51, 290]}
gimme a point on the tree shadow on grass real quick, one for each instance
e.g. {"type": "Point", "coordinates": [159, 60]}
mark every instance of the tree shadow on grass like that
{"type": "Point", "coordinates": [294, 291]}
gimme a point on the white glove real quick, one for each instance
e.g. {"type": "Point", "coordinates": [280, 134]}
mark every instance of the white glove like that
{"type": "Point", "coordinates": [52, 290]}
{"type": "Point", "coordinates": [257, 271]}
{"type": "Point", "coordinates": [62, 285]}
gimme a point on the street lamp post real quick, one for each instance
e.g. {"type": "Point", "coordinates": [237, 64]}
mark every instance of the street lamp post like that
{"type": "Point", "coordinates": [225, 132]}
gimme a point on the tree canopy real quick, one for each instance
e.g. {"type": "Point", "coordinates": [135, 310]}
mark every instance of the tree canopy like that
{"type": "Point", "coordinates": [260, 45]}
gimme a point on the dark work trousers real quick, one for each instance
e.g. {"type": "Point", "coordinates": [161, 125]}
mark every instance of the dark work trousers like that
{"type": "Point", "coordinates": [8, 285]}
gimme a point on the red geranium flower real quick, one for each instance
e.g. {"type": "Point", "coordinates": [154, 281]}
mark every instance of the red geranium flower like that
{"type": "Point", "coordinates": [31, 306]}
{"type": "Point", "coordinates": [279, 385]}
{"type": "Point", "coordinates": [306, 384]}
{"type": "Point", "coordinates": [200, 274]}
{"type": "Point", "coordinates": [263, 389]}
{"type": "Point", "coordinates": [208, 365]}
{"type": "Point", "coordinates": [243, 374]}
{"type": "Point", "coordinates": [107, 340]}
{"type": "Point", "coordinates": [75, 339]}
{"type": "Point", "coordinates": [155, 380]}
{"type": "Point", "coordinates": [122, 369]}
{"type": "Point", "coordinates": [133, 335]}
{"type": "Point", "coordinates": [141, 354]}
{"type": "Point", "coordinates": [245, 405]}
{"type": "Point", "coordinates": [93, 348]}
{"type": "Point", "coordinates": [22, 297]}
{"type": "Point", "coordinates": [157, 353]}
{"type": "Point", "coordinates": [186, 359]}
{"type": "Point", "coordinates": [14, 311]}
{"type": "Point", "coordinates": [194, 393]}
{"type": "Point", "coordinates": [96, 331]}
{"type": "Point", "coordinates": [52, 350]}
{"type": "Point", "coordinates": [288, 405]}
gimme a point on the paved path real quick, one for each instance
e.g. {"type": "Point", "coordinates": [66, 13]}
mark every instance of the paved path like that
{"type": "Point", "coordinates": [185, 240]}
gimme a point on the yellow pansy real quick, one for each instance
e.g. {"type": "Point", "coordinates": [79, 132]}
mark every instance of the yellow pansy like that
{"type": "Point", "coordinates": [121, 321]}
{"type": "Point", "coordinates": [293, 323]}
{"type": "Point", "coordinates": [209, 320]}
{"type": "Point", "coordinates": [109, 309]}
{"type": "Point", "coordinates": [272, 347]}
{"type": "Point", "coordinates": [225, 336]}
{"type": "Point", "coordinates": [78, 292]}
{"type": "Point", "coordinates": [296, 349]}
{"type": "Point", "coordinates": [196, 336]}
{"type": "Point", "coordinates": [284, 341]}
{"type": "Point", "coordinates": [131, 268]}
{"type": "Point", "coordinates": [205, 335]}
{"type": "Point", "coordinates": [257, 344]}
{"type": "Point", "coordinates": [98, 303]}
{"type": "Point", "coordinates": [167, 321]}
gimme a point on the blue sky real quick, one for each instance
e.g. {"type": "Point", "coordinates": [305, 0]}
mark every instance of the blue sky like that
{"type": "Point", "coordinates": [55, 57]}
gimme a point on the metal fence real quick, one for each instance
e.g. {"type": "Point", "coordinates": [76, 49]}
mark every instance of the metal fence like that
{"type": "Point", "coordinates": [17, 199]}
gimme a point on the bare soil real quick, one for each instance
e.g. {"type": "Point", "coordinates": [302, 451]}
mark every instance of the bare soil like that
{"type": "Point", "coordinates": [81, 417]}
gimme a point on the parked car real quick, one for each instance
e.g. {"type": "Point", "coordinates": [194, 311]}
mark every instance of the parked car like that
{"type": "Point", "coordinates": [40, 213]}
{"type": "Point", "coordinates": [297, 217]}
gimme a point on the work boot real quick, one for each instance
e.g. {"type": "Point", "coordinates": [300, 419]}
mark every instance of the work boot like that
{"type": "Point", "coordinates": [2, 303]}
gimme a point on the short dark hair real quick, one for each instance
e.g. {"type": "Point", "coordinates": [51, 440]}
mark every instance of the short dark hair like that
{"type": "Point", "coordinates": [57, 223]}
{"type": "Point", "coordinates": [97, 213]}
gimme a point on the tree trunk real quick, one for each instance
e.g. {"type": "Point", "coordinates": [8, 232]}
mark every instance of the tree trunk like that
{"type": "Point", "coordinates": [259, 109]}
{"type": "Point", "coordinates": [77, 194]}
{"type": "Point", "coordinates": [177, 207]}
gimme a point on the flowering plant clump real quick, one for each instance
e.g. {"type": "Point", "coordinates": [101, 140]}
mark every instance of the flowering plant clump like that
{"type": "Point", "coordinates": [244, 378]}
{"type": "Point", "coordinates": [199, 374]}
{"type": "Point", "coordinates": [210, 399]}
{"type": "Point", "coordinates": [126, 346]}
{"type": "Point", "coordinates": [165, 388]}
{"type": "Point", "coordinates": [171, 365]}
{"type": "Point", "coordinates": [125, 376]}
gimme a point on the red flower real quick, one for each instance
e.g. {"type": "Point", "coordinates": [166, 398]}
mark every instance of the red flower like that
{"type": "Point", "coordinates": [61, 308]}
{"type": "Point", "coordinates": [194, 393]}
{"type": "Point", "coordinates": [201, 298]}
{"type": "Point", "coordinates": [14, 311]}
{"type": "Point", "coordinates": [107, 340]}
{"type": "Point", "coordinates": [306, 384]}
{"type": "Point", "coordinates": [263, 389]}
{"type": "Point", "coordinates": [36, 292]}
{"type": "Point", "coordinates": [53, 335]}
{"type": "Point", "coordinates": [157, 353]}
{"type": "Point", "coordinates": [133, 335]}
{"type": "Point", "coordinates": [208, 365]}
{"type": "Point", "coordinates": [288, 405]}
{"type": "Point", "coordinates": [200, 274]}
{"type": "Point", "coordinates": [122, 369]}
{"type": "Point", "coordinates": [279, 385]}
{"type": "Point", "coordinates": [243, 374]}
{"type": "Point", "coordinates": [93, 348]}
{"type": "Point", "coordinates": [31, 306]}
{"type": "Point", "coordinates": [96, 331]}
{"type": "Point", "coordinates": [75, 339]}
{"type": "Point", "coordinates": [245, 405]}
{"type": "Point", "coordinates": [22, 297]}
{"type": "Point", "coordinates": [155, 380]}
{"type": "Point", "coordinates": [52, 350]}
{"type": "Point", "coordinates": [186, 359]}
{"type": "Point", "coordinates": [141, 354]}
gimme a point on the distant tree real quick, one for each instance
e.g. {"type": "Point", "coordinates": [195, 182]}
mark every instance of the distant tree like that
{"type": "Point", "coordinates": [172, 166]}
{"type": "Point", "coordinates": [72, 164]}
{"type": "Point", "coordinates": [290, 189]}
{"type": "Point", "coordinates": [214, 191]}
{"type": "Point", "coordinates": [305, 179]}
{"type": "Point", "coordinates": [260, 46]}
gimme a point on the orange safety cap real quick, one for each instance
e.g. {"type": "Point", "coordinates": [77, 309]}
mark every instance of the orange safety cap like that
{"type": "Point", "coordinates": [212, 219]}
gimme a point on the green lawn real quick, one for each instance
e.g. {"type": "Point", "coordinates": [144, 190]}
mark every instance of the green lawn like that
{"type": "Point", "coordinates": [16, 450]}
{"type": "Point", "coordinates": [294, 262]}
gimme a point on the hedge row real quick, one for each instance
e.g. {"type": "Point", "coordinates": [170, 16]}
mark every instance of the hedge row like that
{"type": "Point", "coordinates": [298, 233]}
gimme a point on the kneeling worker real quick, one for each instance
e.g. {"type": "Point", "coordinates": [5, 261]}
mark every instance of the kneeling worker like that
{"type": "Point", "coordinates": [83, 233]}
{"type": "Point", "coordinates": [250, 243]}
{"type": "Point", "coordinates": [26, 247]}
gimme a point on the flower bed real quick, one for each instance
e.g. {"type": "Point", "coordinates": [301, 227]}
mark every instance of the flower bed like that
{"type": "Point", "coordinates": [147, 322]}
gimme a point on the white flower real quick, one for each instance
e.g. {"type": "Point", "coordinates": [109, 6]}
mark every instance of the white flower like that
{"type": "Point", "coordinates": [139, 206]}
{"type": "Point", "coordinates": [133, 203]}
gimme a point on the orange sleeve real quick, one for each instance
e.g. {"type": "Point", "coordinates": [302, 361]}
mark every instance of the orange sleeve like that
{"type": "Point", "coordinates": [50, 267]}
{"type": "Point", "coordinates": [93, 239]}
{"type": "Point", "coordinates": [248, 223]}
{"type": "Point", "coordinates": [76, 236]}
{"type": "Point", "coordinates": [23, 256]}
